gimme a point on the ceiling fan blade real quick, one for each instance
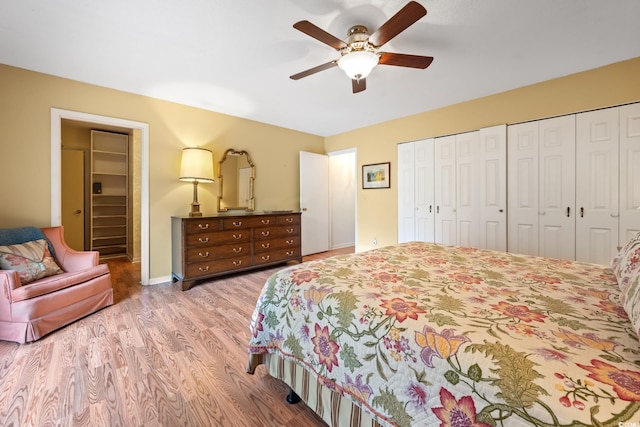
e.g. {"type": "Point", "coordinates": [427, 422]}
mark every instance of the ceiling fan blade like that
{"type": "Point", "coordinates": [404, 60]}
{"type": "Point", "coordinates": [319, 34]}
{"type": "Point", "coordinates": [358, 85]}
{"type": "Point", "coordinates": [399, 22]}
{"type": "Point", "coordinates": [314, 70]}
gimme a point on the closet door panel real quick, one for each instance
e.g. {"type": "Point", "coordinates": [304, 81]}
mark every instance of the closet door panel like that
{"type": "Point", "coordinates": [597, 185]}
{"type": "Point", "coordinates": [406, 193]}
{"type": "Point", "coordinates": [557, 187]}
{"type": "Point", "coordinates": [467, 189]}
{"type": "Point", "coordinates": [445, 190]}
{"type": "Point", "coordinates": [424, 190]}
{"type": "Point", "coordinates": [629, 172]}
{"type": "Point", "coordinates": [522, 201]}
{"type": "Point", "coordinates": [492, 193]}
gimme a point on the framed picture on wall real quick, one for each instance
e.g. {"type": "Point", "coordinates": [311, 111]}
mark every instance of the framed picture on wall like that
{"type": "Point", "coordinates": [376, 175]}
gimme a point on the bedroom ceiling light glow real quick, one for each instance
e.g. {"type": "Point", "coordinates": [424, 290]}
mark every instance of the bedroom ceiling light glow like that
{"type": "Point", "coordinates": [359, 64]}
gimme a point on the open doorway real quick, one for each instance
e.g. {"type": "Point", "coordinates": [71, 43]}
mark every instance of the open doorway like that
{"type": "Point", "coordinates": [100, 175]}
{"type": "Point", "coordinates": [139, 134]}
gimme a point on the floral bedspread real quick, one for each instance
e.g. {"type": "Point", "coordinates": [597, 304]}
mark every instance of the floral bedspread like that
{"type": "Point", "coordinates": [422, 334]}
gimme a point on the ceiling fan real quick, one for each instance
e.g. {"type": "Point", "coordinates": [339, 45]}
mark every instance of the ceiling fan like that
{"type": "Point", "coordinates": [360, 51]}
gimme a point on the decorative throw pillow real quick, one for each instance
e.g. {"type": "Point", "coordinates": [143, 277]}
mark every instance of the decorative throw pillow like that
{"type": "Point", "coordinates": [32, 260]}
{"type": "Point", "coordinates": [626, 264]}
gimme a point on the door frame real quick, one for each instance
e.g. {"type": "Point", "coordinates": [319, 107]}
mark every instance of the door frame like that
{"type": "Point", "coordinates": [57, 115]}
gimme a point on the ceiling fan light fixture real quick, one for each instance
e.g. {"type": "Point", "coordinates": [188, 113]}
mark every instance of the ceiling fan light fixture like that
{"type": "Point", "coordinates": [358, 64]}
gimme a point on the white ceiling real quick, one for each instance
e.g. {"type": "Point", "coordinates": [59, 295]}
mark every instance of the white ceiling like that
{"type": "Point", "coordinates": [236, 56]}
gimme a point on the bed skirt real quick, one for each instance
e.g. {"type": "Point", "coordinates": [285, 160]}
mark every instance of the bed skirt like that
{"type": "Point", "coordinates": [334, 409]}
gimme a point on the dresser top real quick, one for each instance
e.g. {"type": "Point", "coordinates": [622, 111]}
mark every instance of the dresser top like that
{"type": "Point", "coordinates": [236, 214]}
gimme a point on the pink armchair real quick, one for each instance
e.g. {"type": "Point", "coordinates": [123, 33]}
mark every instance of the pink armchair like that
{"type": "Point", "coordinates": [31, 311]}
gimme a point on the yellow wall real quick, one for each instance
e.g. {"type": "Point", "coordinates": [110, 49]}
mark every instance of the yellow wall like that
{"type": "Point", "coordinates": [377, 214]}
{"type": "Point", "coordinates": [26, 99]}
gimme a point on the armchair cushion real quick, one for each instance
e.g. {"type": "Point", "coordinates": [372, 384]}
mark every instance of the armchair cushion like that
{"type": "Point", "coordinates": [32, 260]}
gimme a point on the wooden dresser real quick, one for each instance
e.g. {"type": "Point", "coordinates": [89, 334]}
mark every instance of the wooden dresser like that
{"type": "Point", "coordinates": [209, 246]}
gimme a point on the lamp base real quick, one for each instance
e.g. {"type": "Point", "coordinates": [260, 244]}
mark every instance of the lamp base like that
{"type": "Point", "coordinates": [195, 206]}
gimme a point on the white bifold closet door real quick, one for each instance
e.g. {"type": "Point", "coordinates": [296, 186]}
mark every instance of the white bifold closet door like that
{"type": "Point", "coordinates": [467, 169]}
{"type": "Point", "coordinates": [493, 188]}
{"type": "Point", "coordinates": [597, 189]}
{"type": "Point", "coordinates": [445, 190]}
{"type": "Point", "coordinates": [416, 212]}
{"type": "Point", "coordinates": [629, 172]}
{"type": "Point", "coordinates": [557, 187]}
{"type": "Point", "coordinates": [452, 189]}
{"type": "Point", "coordinates": [541, 165]}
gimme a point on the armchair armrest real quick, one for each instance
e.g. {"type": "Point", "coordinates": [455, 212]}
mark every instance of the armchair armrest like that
{"type": "Point", "coordinates": [9, 280]}
{"type": "Point", "coordinates": [69, 259]}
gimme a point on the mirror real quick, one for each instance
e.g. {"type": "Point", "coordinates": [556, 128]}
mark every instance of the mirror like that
{"type": "Point", "coordinates": [236, 173]}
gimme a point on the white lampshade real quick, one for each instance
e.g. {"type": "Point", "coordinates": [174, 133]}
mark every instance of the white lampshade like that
{"type": "Point", "coordinates": [357, 65]}
{"type": "Point", "coordinates": [197, 165]}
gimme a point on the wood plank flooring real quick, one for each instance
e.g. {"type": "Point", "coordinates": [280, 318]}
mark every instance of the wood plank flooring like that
{"type": "Point", "coordinates": [158, 357]}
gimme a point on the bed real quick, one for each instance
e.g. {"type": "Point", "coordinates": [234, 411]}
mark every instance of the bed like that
{"type": "Point", "coordinates": [422, 334]}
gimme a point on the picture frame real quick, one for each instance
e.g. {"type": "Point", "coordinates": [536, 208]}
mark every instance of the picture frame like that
{"type": "Point", "coordinates": [377, 175]}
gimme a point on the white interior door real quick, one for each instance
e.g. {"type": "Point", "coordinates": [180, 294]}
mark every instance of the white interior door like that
{"type": "Point", "coordinates": [629, 172]}
{"type": "Point", "coordinates": [557, 187]}
{"type": "Point", "coordinates": [523, 171]}
{"type": "Point", "coordinates": [72, 206]}
{"type": "Point", "coordinates": [445, 190]}
{"type": "Point", "coordinates": [314, 202]}
{"type": "Point", "coordinates": [597, 186]}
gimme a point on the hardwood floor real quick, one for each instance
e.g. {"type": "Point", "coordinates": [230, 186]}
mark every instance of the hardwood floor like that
{"type": "Point", "coordinates": [158, 357]}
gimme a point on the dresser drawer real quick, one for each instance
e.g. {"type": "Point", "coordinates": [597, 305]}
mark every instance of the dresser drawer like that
{"type": "Point", "coordinates": [217, 266]}
{"type": "Point", "coordinates": [201, 226]}
{"type": "Point", "coordinates": [289, 220]}
{"type": "Point", "coordinates": [217, 252]}
{"type": "Point", "coordinates": [278, 243]}
{"type": "Point", "coordinates": [276, 256]}
{"type": "Point", "coordinates": [218, 238]}
{"type": "Point", "coordinates": [288, 231]}
{"type": "Point", "coordinates": [247, 222]}
{"type": "Point", "coordinates": [272, 232]}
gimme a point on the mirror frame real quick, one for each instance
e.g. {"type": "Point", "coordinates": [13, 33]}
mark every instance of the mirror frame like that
{"type": "Point", "coordinates": [251, 204]}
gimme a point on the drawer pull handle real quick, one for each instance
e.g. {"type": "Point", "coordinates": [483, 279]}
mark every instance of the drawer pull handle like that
{"type": "Point", "coordinates": [204, 268]}
{"type": "Point", "coordinates": [290, 230]}
{"type": "Point", "coordinates": [266, 245]}
{"type": "Point", "coordinates": [237, 263]}
{"type": "Point", "coordinates": [266, 233]}
{"type": "Point", "coordinates": [289, 242]}
{"type": "Point", "coordinates": [237, 224]}
{"type": "Point", "coordinates": [237, 236]}
{"type": "Point", "coordinates": [204, 255]}
{"type": "Point", "coordinates": [203, 239]}
{"type": "Point", "coordinates": [266, 221]}
{"type": "Point", "coordinates": [266, 258]}
{"type": "Point", "coordinates": [289, 253]}
{"type": "Point", "coordinates": [237, 250]}
{"type": "Point", "coordinates": [289, 220]}
{"type": "Point", "coordinates": [203, 226]}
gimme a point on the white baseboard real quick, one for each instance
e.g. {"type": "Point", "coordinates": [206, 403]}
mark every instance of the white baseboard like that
{"type": "Point", "coordinates": [158, 280]}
